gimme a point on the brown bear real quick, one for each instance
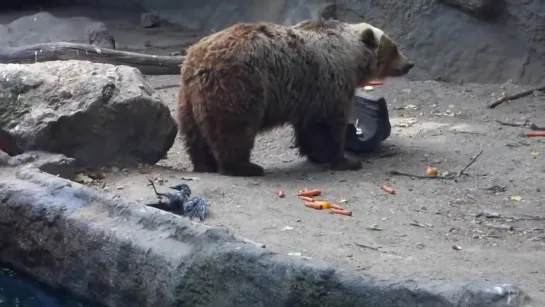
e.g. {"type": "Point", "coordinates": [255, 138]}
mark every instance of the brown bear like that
{"type": "Point", "coordinates": [252, 77]}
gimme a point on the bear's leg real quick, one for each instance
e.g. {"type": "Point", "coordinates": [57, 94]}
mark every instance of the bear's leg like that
{"type": "Point", "coordinates": [201, 157]}
{"type": "Point", "coordinates": [311, 140]}
{"type": "Point", "coordinates": [232, 147]}
{"type": "Point", "coordinates": [339, 161]}
{"type": "Point", "coordinates": [322, 141]}
{"type": "Point", "coordinates": [199, 153]}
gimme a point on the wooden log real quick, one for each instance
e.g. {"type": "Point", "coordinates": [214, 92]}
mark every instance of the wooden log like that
{"type": "Point", "coordinates": [147, 64]}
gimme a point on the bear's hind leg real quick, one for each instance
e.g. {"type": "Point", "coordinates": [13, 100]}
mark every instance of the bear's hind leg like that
{"type": "Point", "coordinates": [199, 153]}
{"type": "Point", "coordinates": [232, 147]}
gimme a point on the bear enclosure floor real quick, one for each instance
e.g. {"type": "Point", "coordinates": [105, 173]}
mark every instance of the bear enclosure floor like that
{"type": "Point", "coordinates": [476, 228]}
{"type": "Point", "coordinates": [487, 226]}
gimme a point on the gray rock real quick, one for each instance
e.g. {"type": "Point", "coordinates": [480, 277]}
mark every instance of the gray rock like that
{"type": "Point", "coordinates": [445, 42]}
{"type": "Point", "coordinates": [121, 253]}
{"type": "Point", "coordinates": [4, 158]}
{"type": "Point", "coordinates": [99, 114]}
{"type": "Point", "coordinates": [149, 20]}
{"type": "Point", "coordinates": [99, 35]}
{"type": "Point", "coordinates": [45, 28]}
{"type": "Point", "coordinates": [483, 9]}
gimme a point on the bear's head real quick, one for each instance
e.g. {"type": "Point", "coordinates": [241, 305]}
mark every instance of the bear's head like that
{"type": "Point", "coordinates": [390, 61]}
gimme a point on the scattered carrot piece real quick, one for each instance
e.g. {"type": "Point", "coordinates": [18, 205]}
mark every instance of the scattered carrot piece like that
{"type": "Point", "coordinates": [325, 204]}
{"type": "Point", "coordinates": [306, 198]}
{"type": "Point", "coordinates": [535, 133]}
{"type": "Point", "coordinates": [341, 212]}
{"type": "Point", "coordinates": [313, 205]}
{"type": "Point", "coordinates": [388, 189]}
{"type": "Point", "coordinates": [281, 193]}
{"type": "Point", "coordinates": [334, 206]}
{"type": "Point", "coordinates": [310, 193]}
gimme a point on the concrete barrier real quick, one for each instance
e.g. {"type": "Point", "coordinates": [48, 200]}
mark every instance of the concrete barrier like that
{"type": "Point", "coordinates": [120, 253]}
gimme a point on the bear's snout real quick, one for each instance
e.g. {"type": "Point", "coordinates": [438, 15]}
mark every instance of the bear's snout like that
{"type": "Point", "coordinates": [403, 70]}
{"type": "Point", "coordinates": [408, 67]}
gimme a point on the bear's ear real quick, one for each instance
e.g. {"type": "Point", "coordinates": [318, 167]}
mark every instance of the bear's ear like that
{"type": "Point", "coordinates": [369, 39]}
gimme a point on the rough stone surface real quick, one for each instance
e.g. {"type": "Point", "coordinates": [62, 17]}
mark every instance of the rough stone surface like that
{"type": "Point", "coordinates": [99, 114]}
{"type": "Point", "coordinates": [99, 35]}
{"type": "Point", "coordinates": [43, 27]}
{"type": "Point", "coordinates": [483, 9]}
{"type": "Point", "coordinates": [444, 38]}
{"type": "Point", "coordinates": [483, 41]}
{"type": "Point", "coordinates": [149, 20]}
{"type": "Point", "coordinates": [121, 253]}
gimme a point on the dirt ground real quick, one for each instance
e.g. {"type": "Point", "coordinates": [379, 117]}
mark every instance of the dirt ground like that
{"type": "Point", "coordinates": [486, 226]}
{"type": "Point", "coordinates": [418, 232]}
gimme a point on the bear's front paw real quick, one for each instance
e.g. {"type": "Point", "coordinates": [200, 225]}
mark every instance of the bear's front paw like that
{"type": "Point", "coordinates": [347, 165]}
{"type": "Point", "coordinates": [244, 169]}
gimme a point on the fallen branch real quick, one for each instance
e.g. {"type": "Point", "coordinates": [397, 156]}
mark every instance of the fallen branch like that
{"type": "Point", "coordinates": [524, 124]}
{"type": "Point", "coordinates": [447, 177]}
{"type": "Point", "coordinates": [367, 246]}
{"type": "Point", "coordinates": [528, 218]}
{"type": "Point", "coordinates": [514, 218]}
{"type": "Point", "coordinates": [61, 51]}
{"type": "Point", "coordinates": [163, 87]}
{"type": "Point", "coordinates": [396, 173]}
{"type": "Point", "coordinates": [536, 128]}
{"type": "Point", "coordinates": [503, 99]}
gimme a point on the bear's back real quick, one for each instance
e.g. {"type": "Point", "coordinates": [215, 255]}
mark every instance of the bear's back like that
{"type": "Point", "coordinates": [294, 67]}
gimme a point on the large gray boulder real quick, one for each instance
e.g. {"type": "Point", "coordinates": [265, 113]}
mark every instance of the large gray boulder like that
{"type": "Point", "coordinates": [99, 114]}
{"type": "Point", "coordinates": [43, 27]}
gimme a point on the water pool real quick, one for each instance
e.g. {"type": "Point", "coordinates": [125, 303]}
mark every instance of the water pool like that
{"type": "Point", "coordinates": [17, 290]}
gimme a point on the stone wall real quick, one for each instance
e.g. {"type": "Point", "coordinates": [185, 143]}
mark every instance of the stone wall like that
{"type": "Point", "coordinates": [484, 41]}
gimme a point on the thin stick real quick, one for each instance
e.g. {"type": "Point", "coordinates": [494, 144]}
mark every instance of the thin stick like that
{"type": "Point", "coordinates": [448, 177]}
{"type": "Point", "coordinates": [460, 173]}
{"type": "Point", "coordinates": [528, 218]}
{"type": "Point", "coordinates": [503, 99]}
{"type": "Point", "coordinates": [367, 246]}
{"type": "Point", "coordinates": [162, 87]}
{"type": "Point", "coordinates": [396, 173]}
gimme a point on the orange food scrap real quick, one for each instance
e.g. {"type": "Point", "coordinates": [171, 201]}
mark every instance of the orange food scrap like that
{"type": "Point", "coordinates": [306, 198]}
{"type": "Point", "coordinates": [313, 205]}
{"type": "Point", "coordinates": [334, 206]}
{"type": "Point", "coordinates": [388, 189]}
{"type": "Point", "coordinates": [535, 133]}
{"type": "Point", "coordinates": [310, 193]}
{"type": "Point", "coordinates": [280, 193]}
{"type": "Point", "coordinates": [325, 204]}
{"type": "Point", "coordinates": [432, 171]}
{"type": "Point", "coordinates": [341, 212]}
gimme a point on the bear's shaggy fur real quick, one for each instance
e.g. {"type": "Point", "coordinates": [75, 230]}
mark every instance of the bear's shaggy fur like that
{"type": "Point", "coordinates": [252, 77]}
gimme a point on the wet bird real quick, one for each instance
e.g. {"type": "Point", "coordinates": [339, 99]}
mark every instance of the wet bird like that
{"type": "Point", "coordinates": [182, 187]}
{"type": "Point", "coordinates": [196, 207]}
{"type": "Point", "coordinates": [172, 202]}
{"type": "Point", "coordinates": [181, 202]}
